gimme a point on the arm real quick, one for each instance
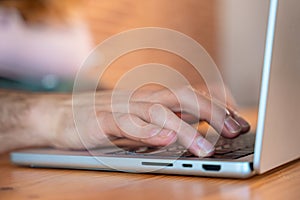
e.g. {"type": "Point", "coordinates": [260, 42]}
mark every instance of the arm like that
{"type": "Point", "coordinates": [16, 128]}
{"type": "Point", "coordinates": [146, 118]}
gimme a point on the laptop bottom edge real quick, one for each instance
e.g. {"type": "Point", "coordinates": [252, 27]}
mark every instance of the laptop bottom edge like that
{"type": "Point", "coordinates": [207, 168]}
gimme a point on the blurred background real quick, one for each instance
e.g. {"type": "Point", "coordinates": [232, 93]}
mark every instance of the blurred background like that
{"type": "Point", "coordinates": [231, 31]}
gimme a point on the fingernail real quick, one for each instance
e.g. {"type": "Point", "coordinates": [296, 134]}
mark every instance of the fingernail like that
{"type": "Point", "coordinates": [243, 123]}
{"type": "Point", "coordinates": [205, 147]}
{"type": "Point", "coordinates": [232, 125]}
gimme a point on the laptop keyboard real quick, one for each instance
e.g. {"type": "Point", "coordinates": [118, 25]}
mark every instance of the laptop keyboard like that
{"type": "Point", "coordinates": [224, 149]}
{"type": "Point", "coordinates": [235, 148]}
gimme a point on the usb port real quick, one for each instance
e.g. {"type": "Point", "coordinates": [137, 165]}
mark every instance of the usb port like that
{"type": "Point", "coordinates": [187, 165]}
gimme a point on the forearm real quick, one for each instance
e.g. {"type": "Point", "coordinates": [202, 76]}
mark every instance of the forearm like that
{"type": "Point", "coordinates": [44, 119]}
{"type": "Point", "coordinates": [17, 128]}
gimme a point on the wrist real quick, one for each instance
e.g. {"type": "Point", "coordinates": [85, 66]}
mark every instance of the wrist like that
{"type": "Point", "coordinates": [44, 117]}
{"type": "Point", "coordinates": [25, 120]}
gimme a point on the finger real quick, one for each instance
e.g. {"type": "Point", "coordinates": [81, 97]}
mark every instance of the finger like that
{"type": "Point", "coordinates": [188, 101]}
{"type": "Point", "coordinates": [132, 127]}
{"type": "Point", "coordinates": [205, 109]}
{"type": "Point", "coordinates": [125, 142]}
{"type": "Point", "coordinates": [245, 126]}
{"type": "Point", "coordinates": [186, 134]}
{"type": "Point", "coordinates": [187, 117]}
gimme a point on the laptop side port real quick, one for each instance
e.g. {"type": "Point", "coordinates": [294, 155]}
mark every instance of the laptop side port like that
{"type": "Point", "coordinates": [186, 165]}
{"type": "Point", "coordinates": [211, 167]}
{"type": "Point", "coordinates": [158, 164]}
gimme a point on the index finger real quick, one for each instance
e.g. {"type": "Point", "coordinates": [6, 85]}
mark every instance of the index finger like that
{"type": "Point", "coordinates": [187, 136]}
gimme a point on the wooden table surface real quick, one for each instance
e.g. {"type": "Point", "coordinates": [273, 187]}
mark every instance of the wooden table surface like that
{"type": "Point", "coordinates": [28, 183]}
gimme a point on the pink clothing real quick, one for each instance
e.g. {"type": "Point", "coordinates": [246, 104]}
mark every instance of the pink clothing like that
{"type": "Point", "coordinates": [36, 51]}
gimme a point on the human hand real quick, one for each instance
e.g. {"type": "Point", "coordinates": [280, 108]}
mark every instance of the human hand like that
{"type": "Point", "coordinates": [144, 117]}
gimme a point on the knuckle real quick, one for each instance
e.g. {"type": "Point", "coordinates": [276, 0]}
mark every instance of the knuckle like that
{"type": "Point", "coordinates": [165, 96]}
{"type": "Point", "coordinates": [166, 93]}
{"type": "Point", "coordinates": [184, 89]}
{"type": "Point", "coordinates": [146, 110]}
{"type": "Point", "coordinates": [121, 117]}
{"type": "Point", "coordinates": [102, 116]}
{"type": "Point", "coordinates": [155, 109]}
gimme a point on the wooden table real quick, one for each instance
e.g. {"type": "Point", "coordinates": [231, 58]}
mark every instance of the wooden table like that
{"type": "Point", "coordinates": [27, 183]}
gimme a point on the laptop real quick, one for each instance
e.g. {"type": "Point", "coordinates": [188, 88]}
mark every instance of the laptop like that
{"type": "Point", "coordinates": [274, 143]}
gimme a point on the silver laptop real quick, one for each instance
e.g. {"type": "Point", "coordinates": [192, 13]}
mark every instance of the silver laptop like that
{"type": "Point", "coordinates": [274, 143]}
